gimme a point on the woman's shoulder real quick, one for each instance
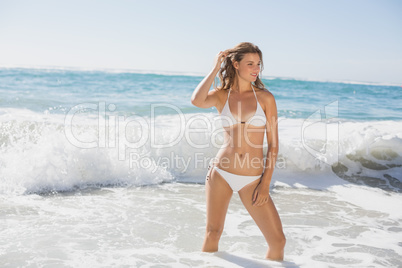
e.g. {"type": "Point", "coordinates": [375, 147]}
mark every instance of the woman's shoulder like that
{"type": "Point", "coordinates": [220, 95]}
{"type": "Point", "coordinates": [219, 92]}
{"type": "Point", "coordinates": [265, 94]}
{"type": "Point", "coordinates": [267, 99]}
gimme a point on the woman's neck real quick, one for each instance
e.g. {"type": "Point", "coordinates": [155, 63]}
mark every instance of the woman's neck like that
{"type": "Point", "coordinates": [241, 86]}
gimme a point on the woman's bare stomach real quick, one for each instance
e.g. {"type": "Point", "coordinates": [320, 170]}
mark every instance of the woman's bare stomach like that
{"type": "Point", "coordinates": [240, 161]}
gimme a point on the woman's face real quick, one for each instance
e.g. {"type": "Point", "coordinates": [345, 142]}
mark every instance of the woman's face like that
{"type": "Point", "coordinates": [249, 67]}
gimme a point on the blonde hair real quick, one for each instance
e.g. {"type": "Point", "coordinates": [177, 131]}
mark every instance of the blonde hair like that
{"type": "Point", "coordinates": [227, 73]}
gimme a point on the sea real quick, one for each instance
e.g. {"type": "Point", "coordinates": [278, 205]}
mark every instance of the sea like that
{"type": "Point", "coordinates": [106, 168]}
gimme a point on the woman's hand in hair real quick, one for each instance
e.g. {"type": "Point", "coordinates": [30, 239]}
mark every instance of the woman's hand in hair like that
{"type": "Point", "coordinates": [218, 60]}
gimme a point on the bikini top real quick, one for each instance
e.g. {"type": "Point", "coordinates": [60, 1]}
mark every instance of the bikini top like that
{"type": "Point", "coordinates": [258, 119]}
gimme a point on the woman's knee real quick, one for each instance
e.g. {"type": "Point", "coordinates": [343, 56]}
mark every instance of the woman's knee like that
{"type": "Point", "coordinates": [276, 249]}
{"type": "Point", "coordinates": [280, 242]}
{"type": "Point", "coordinates": [213, 232]}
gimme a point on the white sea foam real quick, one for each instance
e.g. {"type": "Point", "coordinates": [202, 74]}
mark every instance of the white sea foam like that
{"type": "Point", "coordinates": [36, 154]}
{"type": "Point", "coordinates": [165, 225]}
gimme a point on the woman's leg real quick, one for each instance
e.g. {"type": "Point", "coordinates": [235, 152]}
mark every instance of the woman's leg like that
{"type": "Point", "coordinates": [267, 219]}
{"type": "Point", "coordinates": [218, 194]}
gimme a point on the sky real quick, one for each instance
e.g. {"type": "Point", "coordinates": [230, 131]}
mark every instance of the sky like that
{"type": "Point", "coordinates": [342, 40]}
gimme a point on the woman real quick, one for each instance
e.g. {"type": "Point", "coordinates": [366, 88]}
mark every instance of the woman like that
{"type": "Point", "coordinates": [247, 110]}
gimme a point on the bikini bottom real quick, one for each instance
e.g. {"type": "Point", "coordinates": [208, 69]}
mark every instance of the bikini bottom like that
{"type": "Point", "coordinates": [236, 182]}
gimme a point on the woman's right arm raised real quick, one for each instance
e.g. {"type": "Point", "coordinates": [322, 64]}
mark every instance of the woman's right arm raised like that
{"type": "Point", "coordinates": [201, 96]}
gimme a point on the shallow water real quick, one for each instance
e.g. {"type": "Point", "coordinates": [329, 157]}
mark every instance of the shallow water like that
{"type": "Point", "coordinates": [164, 224]}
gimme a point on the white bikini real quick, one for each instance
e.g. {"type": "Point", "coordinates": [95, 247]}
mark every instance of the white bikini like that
{"type": "Point", "coordinates": [237, 182]}
{"type": "Point", "coordinates": [227, 118]}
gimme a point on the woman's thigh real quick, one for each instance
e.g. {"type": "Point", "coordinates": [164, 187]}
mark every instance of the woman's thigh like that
{"type": "Point", "coordinates": [265, 216]}
{"type": "Point", "coordinates": [218, 194]}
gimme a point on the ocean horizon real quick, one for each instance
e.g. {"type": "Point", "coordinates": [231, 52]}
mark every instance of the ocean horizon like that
{"type": "Point", "coordinates": [197, 74]}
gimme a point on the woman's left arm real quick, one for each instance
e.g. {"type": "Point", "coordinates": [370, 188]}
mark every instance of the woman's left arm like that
{"type": "Point", "coordinates": [261, 192]}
